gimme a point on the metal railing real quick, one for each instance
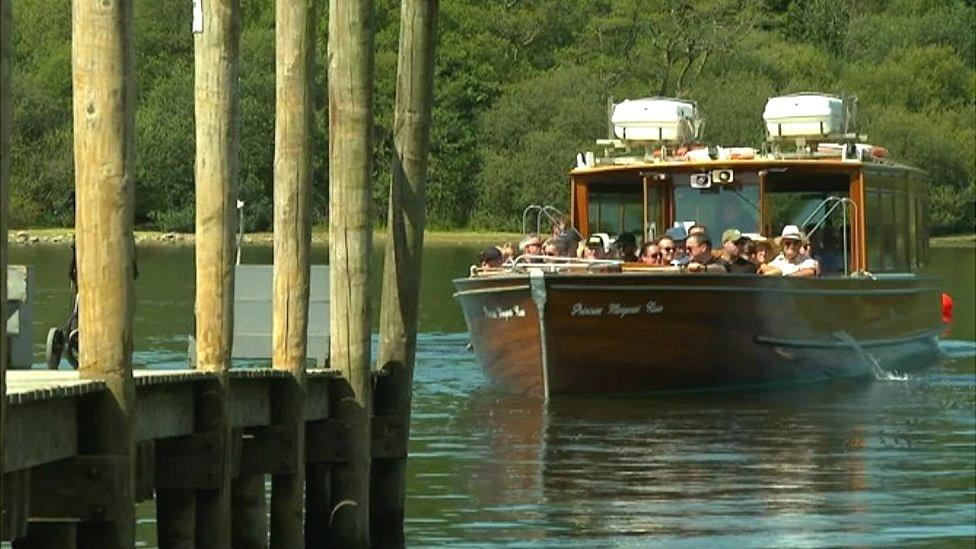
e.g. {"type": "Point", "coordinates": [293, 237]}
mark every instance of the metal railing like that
{"type": "Point", "coordinates": [828, 206]}
{"type": "Point", "coordinates": [551, 214]}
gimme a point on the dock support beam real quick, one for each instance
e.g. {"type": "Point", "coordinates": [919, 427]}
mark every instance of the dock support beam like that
{"type": "Point", "coordinates": [216, 53]}
{"type": "Point", "coordinates": [6, 119]}
{"type": "Point", "coordinates": [102, 74]}
{"type": "Point", "coordinates": [294, 66]}
{"type": "Point", "coordinates": [350, 247]}
{"type": "Point", "coordinates": [404, 248]}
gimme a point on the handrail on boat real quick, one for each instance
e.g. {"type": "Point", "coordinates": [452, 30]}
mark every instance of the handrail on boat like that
{"type": "Point", "coordinates": [551, 264]}
{"type": "Point", "coordinates": [833, 202]}
{"type": "Point", "coordinates": [552, 214]}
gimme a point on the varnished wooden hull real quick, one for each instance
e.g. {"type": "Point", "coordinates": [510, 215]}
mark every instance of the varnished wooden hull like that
{"type": "Point", "coordinates": [631, 333]}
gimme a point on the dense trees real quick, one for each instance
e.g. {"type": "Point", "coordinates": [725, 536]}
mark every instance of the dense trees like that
{"type": "Point", "coordinates": [521, 86]}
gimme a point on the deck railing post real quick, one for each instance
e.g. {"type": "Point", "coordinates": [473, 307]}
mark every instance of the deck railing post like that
{"type": "Point", "coordinates": [350, 80]}
{"type": "Point", "coordinates": [404, 249]}
{"type": "Point", "coordinates": [294, 66]}
{"type": "Point", "coordinates": [102, 74]}
{"type": "Point", "coordinates": [216, 52]}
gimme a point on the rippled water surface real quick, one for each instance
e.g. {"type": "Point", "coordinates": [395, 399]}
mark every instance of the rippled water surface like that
{"type": "Point", "coordinates": [886, 463]}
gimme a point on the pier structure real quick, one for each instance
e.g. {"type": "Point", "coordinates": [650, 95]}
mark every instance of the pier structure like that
{"type": "Point", "coordinates": [80, 449]}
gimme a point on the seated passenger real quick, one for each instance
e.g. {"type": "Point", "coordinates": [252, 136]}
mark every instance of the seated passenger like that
{"type": "Point", "coordinates": [651, 254]}
{"type": "Point", "coordinates": [697, 229]}
{"type": "Point", "coordinates": [531, 244]}
{"type": "Point", "coordinates": [745, 262]}
{"type": "Point", "coordinates": [490, 258]}
{"type": "Point", "coordinates": [667, 247]}
{"type": "Point", "coordinates": [678, 236]}
{"type": "Point", "coordinates": [625, 247]}
{"type": "Point", "coordinates": [790, 262]}
{"type": "Point", "coordinates": [594, 248]}
{"type": "Point", "coordinates": [699, 249]}
{"type": "Point", "coordinates": [764, 252]}
{"type": "Point", "coordinates": [732, 239]}
{"type": "Point", "coordinates": [805, 249]}
{"type": "Point", "coordinates": [508, 251]}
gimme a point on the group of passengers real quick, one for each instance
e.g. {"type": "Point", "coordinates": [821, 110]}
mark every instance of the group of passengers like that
{"type": "Point", "coordinates": [691, 250]}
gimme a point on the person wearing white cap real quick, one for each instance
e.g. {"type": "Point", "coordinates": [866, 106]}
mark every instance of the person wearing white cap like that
{"type": "Point", "coordinates": [790, 262]}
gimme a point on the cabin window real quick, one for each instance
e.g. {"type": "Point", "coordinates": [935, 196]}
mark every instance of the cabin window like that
{"type": "Point", "coordinates": [614, 211]}
{"type": "Point", "coordinates": [921, 231]}
{"type": "Point", "coordinates": [889, 231]}
{"type": "Point", "coordinates": [811, 201]}
{"type": "Point", "coordinates": [875, 231]}
{"type": "Point", "coordinates": [654, 227]}
{"type": "Point", "coordinates": [722, 206]}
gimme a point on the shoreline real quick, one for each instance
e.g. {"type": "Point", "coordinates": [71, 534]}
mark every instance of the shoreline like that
{"type": "Point", "coordinates": [63, 237]}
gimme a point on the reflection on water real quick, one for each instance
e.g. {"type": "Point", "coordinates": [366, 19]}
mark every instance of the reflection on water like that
{"type": "Point", "coordinates": [883, 463]}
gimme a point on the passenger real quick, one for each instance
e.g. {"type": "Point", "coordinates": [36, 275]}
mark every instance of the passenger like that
{"type": "Point", "coordinates": [678, 236]}
{"type": "Point", "coordinates": [491, 258]}
{"type": "Point", "coordinates": [699, 249]}
{"type": "Point", "coordinates": [531, 244]}
{"type": "Point", "coordinates": [667, 247]}
{"type": "Point", "coordinates": [790, 262]}
{"type": "Point", "coordinates": [805, 249]}
{"type": "Point", "coordinates": [508, 251]}
{"type": "Point", "coordinates": [732, 239]}
{"type": "Point", "coordinates": [764, 252]}
{"type": "Point", "coordinates": [697, 229]}
{"type": "Point", "coordinates": [594, 248]}
{"type": "Point", "coordinates": [558, 247]}
{"type": "Point", "coordinates": [745, 262]}
{"type": "Point", "coordinates": [625, 247]}
{"type": "Point", "coordinates": [651, 254]}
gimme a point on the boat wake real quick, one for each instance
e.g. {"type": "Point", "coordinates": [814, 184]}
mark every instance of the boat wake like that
{"type": "Point", "coordinates": [880, 373]}
{"type": "Point", "coordinates": [958, 348]}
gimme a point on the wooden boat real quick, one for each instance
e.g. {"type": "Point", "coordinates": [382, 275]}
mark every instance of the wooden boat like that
{"type": "Point", "coordinates": [549, 330]}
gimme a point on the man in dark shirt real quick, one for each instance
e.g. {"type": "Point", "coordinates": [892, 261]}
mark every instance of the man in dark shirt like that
{"type": "Point", "coordinates": [699, 248]}
{"type": "Point", "coordinates": [745, 262]}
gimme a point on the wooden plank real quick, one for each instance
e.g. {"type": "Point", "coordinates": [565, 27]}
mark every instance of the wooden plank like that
{"type": "Point", "coordinates": [185, 463]}
{"type": "Point", "coordinates": [32, 446]}
{"type": "Point", "coordinates": [81, 487]}
{"type": "Point", "coordinates": [270, 450]}
{"type": "Point", "coordinates": [249, 403]}
{"type": "Point", "coordinates": [249, 523]}
{"type": "Point", "coordinates": [165, 411]}
{"type": "Point", "coordinates": [16, 497]}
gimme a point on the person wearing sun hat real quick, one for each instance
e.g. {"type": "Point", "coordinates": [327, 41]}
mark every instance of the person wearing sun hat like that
{"type": "Point", "coordinates": [790, 262]}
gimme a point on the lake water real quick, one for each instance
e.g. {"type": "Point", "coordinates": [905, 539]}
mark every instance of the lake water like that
{"type": "Point", "coordinates": [884, 463]}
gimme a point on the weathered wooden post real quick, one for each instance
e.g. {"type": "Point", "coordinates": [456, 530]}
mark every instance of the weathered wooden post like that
{"type": "Point", "coordinates": [294, 65]}
{"type": "Point", "coordinates": [6, 119]}
{"type": "Point", "coordinates": [216, 53]}
{"type": "Point", "coordinates": [404, 249]}
{"type": "Point", "coordinates": [102, 72]}
{"type": "Point", "coordinates": [350, 245]}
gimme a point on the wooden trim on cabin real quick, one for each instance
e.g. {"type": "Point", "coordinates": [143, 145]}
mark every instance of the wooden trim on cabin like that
{"type": "Point", "coordinates": [763, 216]}
{"type": "Point", "coordinates": [858, 225]}
{"type": "Point", "coordinates": [581, 207]}
{"type": "Point", "coordinates": [645, 181]}
{"type": "Point", "coordinates": [572, 203]}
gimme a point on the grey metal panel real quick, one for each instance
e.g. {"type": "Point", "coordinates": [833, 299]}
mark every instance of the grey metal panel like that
{"type": "Point", "coordinates": [20, 305]}
{"type": "Point", "coordinates": [253, 312]}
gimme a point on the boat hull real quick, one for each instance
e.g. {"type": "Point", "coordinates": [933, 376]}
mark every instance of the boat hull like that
{"type": "Point", "coordinates": [632, 333]}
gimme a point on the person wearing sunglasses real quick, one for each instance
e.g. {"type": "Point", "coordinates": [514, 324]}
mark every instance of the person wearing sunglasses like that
{"type": "Point", "coordinates": [651, 254]}
{"type": "Point", "coordinates": [790, 262]}
{"type": "Point", "coordinates": [698, 248]}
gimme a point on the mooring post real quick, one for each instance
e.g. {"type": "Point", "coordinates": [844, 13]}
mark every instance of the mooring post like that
{"type": "Point", "coordinates": [102, 73]}
{"type": "Point", "coordinates": [350, 247]}
{"type": "Point", "coordinates": [6, 30]}
{"type": "Point", "coordinates": [216, 53]}
{"type": "Point", "coordinates": [294, 66]}
{"type": "Point", "coordinates": [404, 249]}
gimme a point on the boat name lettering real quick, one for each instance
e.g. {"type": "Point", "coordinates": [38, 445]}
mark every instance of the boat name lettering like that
{"type": "Point", "coordinates": [616, 309]}
{"type": "Point", "coordinates": [504, 314]}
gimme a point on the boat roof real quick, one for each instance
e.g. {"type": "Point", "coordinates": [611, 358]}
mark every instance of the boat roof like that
{"type": "Point", "coordinates": [675, 164]}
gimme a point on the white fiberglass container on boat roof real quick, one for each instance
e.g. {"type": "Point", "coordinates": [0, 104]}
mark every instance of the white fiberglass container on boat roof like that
{"type": "Point", "coordinates": [655, 119]}
{"type": "Point", "coordinates": [804, 115]}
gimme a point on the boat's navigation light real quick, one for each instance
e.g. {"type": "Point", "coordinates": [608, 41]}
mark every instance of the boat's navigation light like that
{"type": "Point", "coordinates": [722, 176]}
{"type": "Point", "coordinates": [701, 181]}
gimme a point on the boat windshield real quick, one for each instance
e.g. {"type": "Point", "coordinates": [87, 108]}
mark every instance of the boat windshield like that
{"type": "Point", "coordinates": [733, 205]}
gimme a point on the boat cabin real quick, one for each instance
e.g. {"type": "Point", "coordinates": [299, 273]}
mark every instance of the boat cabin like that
{"type": "Point", "coordinates": [860, 211]}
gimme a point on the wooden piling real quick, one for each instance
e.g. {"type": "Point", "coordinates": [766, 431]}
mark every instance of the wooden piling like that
{"type": "Point", "coordinates": [249, 524]}
{"type": "Point", "coordinates": [6, 119]}
{"type": "Point", "coordinates": [102, 73]}
{"type": "Point", "coordinates": [350, 246]}
{"type": "Point", "coordinates": [404, 249]}
{"type": "Point", "coordinates": [216, 53]}
{"type": "Point", "coordinates": [294, 68]}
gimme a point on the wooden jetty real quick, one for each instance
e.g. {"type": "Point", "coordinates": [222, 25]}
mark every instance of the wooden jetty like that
{"type": "Point", "coordinates": [54, 486]}
{"type": "Point", "coordinates": [79, 449]}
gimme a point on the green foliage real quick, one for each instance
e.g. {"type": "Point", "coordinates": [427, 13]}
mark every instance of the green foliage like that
{"type": "Point", "coordinates": [521, 87]}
